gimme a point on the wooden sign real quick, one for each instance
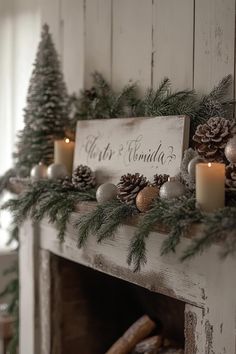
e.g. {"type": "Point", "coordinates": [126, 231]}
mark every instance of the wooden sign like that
{"type": "Point", "coordinates": [113, 147]}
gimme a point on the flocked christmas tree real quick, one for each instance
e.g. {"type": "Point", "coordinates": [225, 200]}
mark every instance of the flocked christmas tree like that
{"type": "Point", "coordinates": [46, 113]}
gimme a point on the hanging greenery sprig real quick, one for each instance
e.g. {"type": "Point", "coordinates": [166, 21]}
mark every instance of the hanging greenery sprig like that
{"type": "Point", "coordinates": [103, 221]}
{"type": "Point", "coordinates": [48, 198]}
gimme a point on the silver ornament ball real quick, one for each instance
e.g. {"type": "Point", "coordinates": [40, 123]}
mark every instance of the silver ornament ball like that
{"type": "Point", "coordinates": [106, 192]}
{"type": "Point", "coordinates": [38, 172]}
{"type": "Point", "coordinates": [172, 189]}
{"type": "Point", "coordinates": [230, 150]}
{"type": "Point", "coordinates": [56, 171]}
{"type": "Point", "coordinates": [192, 166]}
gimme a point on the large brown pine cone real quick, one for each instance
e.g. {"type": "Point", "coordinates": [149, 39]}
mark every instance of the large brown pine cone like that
{"type": "Point", "coordinates": [129, 187]}
{"type": "Point", "coordinates": [159, 180]}
{"type": "Point", "coordinates": [211, 138]}
{"type": "Point", "coordinates": [83, 178]}
{"type": "Point", "coordinates": [230, 174]}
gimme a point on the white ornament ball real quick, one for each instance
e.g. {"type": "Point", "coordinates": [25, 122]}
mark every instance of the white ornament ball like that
{"type": "Point", "coordinates": [106, 192]}
{"type": "Point", "coordinates": [38, 172]}
{"type": "Point", "coordinates": [172, 189]}
{"type": "Point", "coordinates": [192, 166]}
{"type": "Point", "coordinates": [230, 150]}
{"type": "Point", "coordinates": [56, 171]}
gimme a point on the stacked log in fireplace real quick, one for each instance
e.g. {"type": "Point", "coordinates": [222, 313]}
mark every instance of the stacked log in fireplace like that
{"type": "Point", "coordinates": [139, 339]}
{"type": "Point", "coordinates": [93, 313]}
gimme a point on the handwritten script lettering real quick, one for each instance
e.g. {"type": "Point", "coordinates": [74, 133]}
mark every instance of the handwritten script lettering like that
{"type": "Point", "coordinates": [131, 151]}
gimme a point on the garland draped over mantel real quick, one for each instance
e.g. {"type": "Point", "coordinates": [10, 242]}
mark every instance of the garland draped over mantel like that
{"type": "Point", "coordinates": [49, 198]}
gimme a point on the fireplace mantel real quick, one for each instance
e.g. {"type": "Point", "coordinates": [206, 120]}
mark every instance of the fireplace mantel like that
{"type": "Point", "coordinates": [205, 283]}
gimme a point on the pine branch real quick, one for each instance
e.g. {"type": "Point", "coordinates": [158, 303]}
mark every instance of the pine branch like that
{"type": "Point", "coordinates": [89, 224]}
{"type": "Point", "coordinates": [115, 214]}
{"type": "Point", "coordinates": [137, 248]}
{"type": "Point", "coordinates": [218, 226]}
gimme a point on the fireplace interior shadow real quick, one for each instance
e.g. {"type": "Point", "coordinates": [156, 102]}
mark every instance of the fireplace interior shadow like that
{"type": "Point", "coordinates": [91, 310]}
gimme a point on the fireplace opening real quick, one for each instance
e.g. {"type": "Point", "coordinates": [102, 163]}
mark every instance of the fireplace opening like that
{"type": "Point", "coordinates": [90, 311]}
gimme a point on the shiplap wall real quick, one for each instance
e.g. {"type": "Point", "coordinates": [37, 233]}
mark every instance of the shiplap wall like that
{"type": "Point", "coordinates": [190, 41]}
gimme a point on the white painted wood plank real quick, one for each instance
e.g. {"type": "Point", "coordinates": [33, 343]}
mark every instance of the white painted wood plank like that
{"type": "Point", "coordinates": [27, 273]}
{"type": "Point", "coordinates": [214, 42]}
{"type": "Point", "coordinates": [132, 42]}
{"type": "Point", "coordinates": [98, 35]}
{"type": "Point", "coordinates": [51, 14]}
{"type": "Point", "coordinates": [72, 42]}
{"type": "Point", "coordinates": [173, 42]}
{"type": "Point", "coordinates": [220, 308]}
{"type": "Point", "coordinates": [165, 275]}
{"type": "Point", "coordinates": [113, 147]}
{"type": "Point", "coordinates": [193, 330]}
{"type": "Point", "coordinates": [45, 301]}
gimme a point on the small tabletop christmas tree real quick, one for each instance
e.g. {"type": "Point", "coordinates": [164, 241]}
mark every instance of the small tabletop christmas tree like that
{"type": "Point", "coordinates": [46, 113]}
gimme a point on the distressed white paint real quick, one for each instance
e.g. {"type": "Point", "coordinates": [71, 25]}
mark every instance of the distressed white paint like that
{"type": "Point", "coordinates": [113, 147]}
{"type": "Point", "coordinates": [173, 42]}
{"type": "Point", "coordinates": [132, 42]}
{"type": "Point", "coordinates": [45, 301]}
{"type": "Point", "coordinates": [98, 39]}
{"type": "Point", "coordinates": [214, 42]}
{"type": "Point", "coordinates": [205, 283]}
{"type": "Point", "coordinates": [28, 274]}
{"type": "Point", "coordinates": [194, 328]}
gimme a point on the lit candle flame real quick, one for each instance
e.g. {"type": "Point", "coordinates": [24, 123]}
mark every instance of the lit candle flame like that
{"type": "Point", "coordinates": [209, 164]}
{"type": "Point", "coordinates": [67, 140]}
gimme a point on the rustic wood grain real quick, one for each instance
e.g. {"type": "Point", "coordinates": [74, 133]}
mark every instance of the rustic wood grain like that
{"type": "Point", "coordinates": [98, 39]}
{"type": "Point", "coordinates": [214, 42]}
{"type": "Point", "coordinates": [132, 43]}
{"type": "Point", "coordinates": [173, 25]}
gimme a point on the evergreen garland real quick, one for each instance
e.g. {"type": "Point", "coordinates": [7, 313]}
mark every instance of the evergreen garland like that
{"type": "Point", "coordinates": [47, 198]}
{"type": "Point", "coordinates": [103, 221]}
{"type": "Point", "coordinates": [101, 101]}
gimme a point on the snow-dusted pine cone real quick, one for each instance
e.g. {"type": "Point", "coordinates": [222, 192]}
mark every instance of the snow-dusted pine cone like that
{"type": "Point", "coordinates": [211, 138]}
{"type": "Point", "coordinates": [67, 183]}
{"type": "Point", "coordinates": [83, 178]}
{"type": "Point", "coordinates": [129, 186]}
{"type": "Point", "coordinates": [159, 180]}
{"type": "Point", "coordinates": [230, 174]}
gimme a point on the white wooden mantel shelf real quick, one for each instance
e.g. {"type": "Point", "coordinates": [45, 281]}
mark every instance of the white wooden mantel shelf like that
{"type": "Point", "coordinates": [205, 283]}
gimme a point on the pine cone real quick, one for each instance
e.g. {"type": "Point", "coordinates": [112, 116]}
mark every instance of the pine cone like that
{"type": "Point", "coordinates": [129, 186]}
{"type": "Point", "coordinates": [159, 180]}
{"type": "Point", "coordinates": [67, 183]}
{"type": "Point", "coordinates": [83, 178]}
{"type": "Point", "coordinates": [211, 138]}
{"type": "Point", "coordinates": [230, 174]}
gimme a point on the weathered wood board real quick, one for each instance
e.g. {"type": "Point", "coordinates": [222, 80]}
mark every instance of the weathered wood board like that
{"type": "Point", "coordinates": [113, 147]}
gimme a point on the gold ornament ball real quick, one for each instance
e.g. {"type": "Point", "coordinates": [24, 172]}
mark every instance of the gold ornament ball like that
{"type": "Point", "coordinates": [230, 150]}
{"type": "Point", "coordinates": [146, 197]}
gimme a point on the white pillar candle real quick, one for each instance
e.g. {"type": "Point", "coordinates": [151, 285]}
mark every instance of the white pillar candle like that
{"type": "Point", "coordinates": [210, 186]}
{"type": "Point", "coordinates": [64, 153]}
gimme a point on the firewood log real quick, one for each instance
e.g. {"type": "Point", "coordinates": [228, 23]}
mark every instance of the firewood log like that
{"type": "Point", "coordinates": [171, 351]}
{"type": "Point", "coordinates": [137, 332]}
{"type": "Point", "coordinates": [149, 345]}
